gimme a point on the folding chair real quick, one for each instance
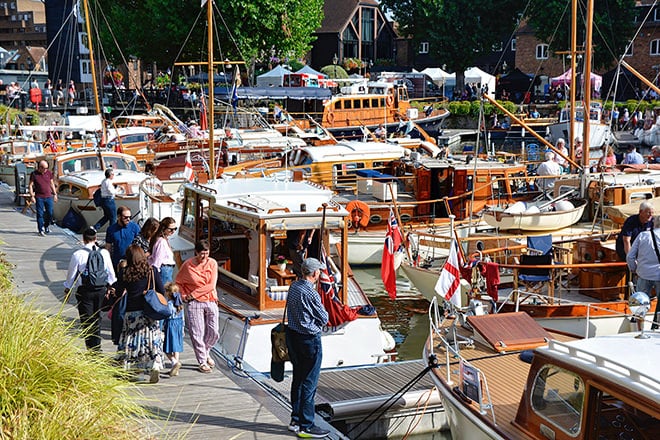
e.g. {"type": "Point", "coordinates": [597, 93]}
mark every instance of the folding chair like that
{"type": "Point", "coordinates": [533, 280]}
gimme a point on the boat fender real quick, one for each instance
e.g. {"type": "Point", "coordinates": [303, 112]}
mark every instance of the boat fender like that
{"type": "Point", "coordinates": [527, 356]}
{"type": "Point", "coordinates": [564, 205]}
{"type": "Point", "coordinates": [516, 208]}
{"type": "Point", "coordinates": [532, 210]}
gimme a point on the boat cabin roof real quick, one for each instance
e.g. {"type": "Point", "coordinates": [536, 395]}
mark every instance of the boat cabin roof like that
{"type": "Point", "coordinates": [350, 150]}
{"type": "Point", "coordinates": [91, 178]}
{"type": "Point", "coordinates": [621, 358]}
{"type": "Point", "coordinates": [282, 204]}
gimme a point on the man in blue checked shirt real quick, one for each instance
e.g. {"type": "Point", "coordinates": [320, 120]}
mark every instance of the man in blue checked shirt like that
{"type": "Point", "coordinates": [306, 318]}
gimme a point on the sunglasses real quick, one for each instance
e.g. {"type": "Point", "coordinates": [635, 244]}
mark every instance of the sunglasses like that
{"type": "Point", "coordinates": [126, 217]}
{"type": "Point", "coordinates": [172, 229]}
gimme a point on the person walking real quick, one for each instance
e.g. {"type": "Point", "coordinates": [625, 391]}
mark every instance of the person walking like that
{"type": "Point", "coordinates": [306, 318]}
{"type": "Point", "coordinates": [148, 230]}
{"type": "Point", "coordinates": [48, 94]}
{"type": "Point", "coordinates": [90, 292]}
{"type": "Point", "coordinates": [141, 341]}
{"type": "Point", "coordinates": [197, 279]}
{"type": "Point", "coordinates": [161, 255]}
{"type": "Point", "coordinates": [120, 235]}
{"type": "Point", "coordinates": [42, 191]}
{"type": "Point", "coordinates": [72, 92]}
{"type": "Point", "coordinates": [59, 92]}
{"type": "Point", "coordinates": [108, 193]}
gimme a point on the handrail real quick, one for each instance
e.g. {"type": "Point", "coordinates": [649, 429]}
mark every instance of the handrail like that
{"type": "Point", "coordinates": [605, 363]}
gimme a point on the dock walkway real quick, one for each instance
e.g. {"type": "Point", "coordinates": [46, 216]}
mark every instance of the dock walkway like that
{"type": "Point", "coordinates": [193, 405]}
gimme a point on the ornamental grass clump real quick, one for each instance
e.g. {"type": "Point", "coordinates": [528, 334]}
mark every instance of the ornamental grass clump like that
{"type": "Point", "coordinates": [50, 388]}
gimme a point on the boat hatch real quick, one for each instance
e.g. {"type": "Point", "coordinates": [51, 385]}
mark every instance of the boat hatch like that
{"type": "Point", "coordinates": [508, 331]}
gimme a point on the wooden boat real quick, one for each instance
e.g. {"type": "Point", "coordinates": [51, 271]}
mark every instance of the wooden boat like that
{"type": "Point", "coordinates": [17, 150]}
{"type": "Point", "coordinates": [536, 216]}
{"type": "Point", "coordinates": [385, 103]}
{"type": "Point", "coordinates": [492, 388]}
{"type": "Point", "coordinates": [619, 213]}
{"type": "Point", "coordinates": [251, 290]}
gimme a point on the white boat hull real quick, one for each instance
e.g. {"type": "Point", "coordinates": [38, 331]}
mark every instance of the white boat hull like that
{"type": "Point", "coordinates": [598, 133]}
{"type": "Point", "coordinates": [423, 279]}
{"type": "Point", "coordinates": [542, 221]}
{"type": "Point", "coordinates": [91, 213]}
{"type": "Point", "coordinates": [350, 344]}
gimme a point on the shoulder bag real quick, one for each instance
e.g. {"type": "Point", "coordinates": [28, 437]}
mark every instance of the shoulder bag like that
{"type": "Point", "coordinates": [155, 304]}
{"type": "Point", "coordinates": [278, 340]}
{"type": "Point", "coordinates": [655, 244]}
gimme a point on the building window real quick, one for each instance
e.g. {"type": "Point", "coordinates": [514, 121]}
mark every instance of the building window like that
{"type": "Point", "coordinates": [513, 45]}
{"type": "Point", "coordinates": [656, 15]}
{"type": "Point", "coordinates": [655, 48]}
{"type": "Point", "coordinates": [629, 52]}
{"type": "Point", "coordinates": [542, 52]}
{"type": "Point", "coordinates": [497, 47]}
{"type": "Point", "coordinates": [424, 47]}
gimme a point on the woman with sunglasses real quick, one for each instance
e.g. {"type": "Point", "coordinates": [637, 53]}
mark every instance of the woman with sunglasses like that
{"type": "Point", "coordinates": [161, 254]}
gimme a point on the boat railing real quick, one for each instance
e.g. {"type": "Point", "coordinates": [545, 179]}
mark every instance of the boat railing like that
{"type": "Point", "coordinates": [452, 353]}
{"type": "Point", "coordinates": [606, 363]}
{"type": "Point", "coordinates": [519, 297]}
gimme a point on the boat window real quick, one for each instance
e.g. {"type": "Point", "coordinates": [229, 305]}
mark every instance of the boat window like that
{"type": "Point", "coordinates": [376, 102]}
{"type": "Point", "coordinates": [66, 189]}
{"type": "Point", "coordinates": [189, 212]}
{"type": "Point", "coordinates": [558, 397]}
{"type": "Point", "coordinates": [613, 418]}
{"type": "Point", "coordinates": [640, 197]}
{"type": "Point", "coordinates": [348, 104]}
{"type": "Point", "coordinates": [365, 103]}
{"type": "Point", "coordinates": [338, 105]}
{"type": "Point", "coordinates": [357, 103]}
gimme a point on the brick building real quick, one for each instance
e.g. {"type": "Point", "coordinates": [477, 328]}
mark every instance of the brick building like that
{"type": "Point", "coordinates": [23, 34]}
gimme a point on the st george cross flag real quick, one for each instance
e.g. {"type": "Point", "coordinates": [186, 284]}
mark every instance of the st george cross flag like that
{"type": "Point", "coordinates": [392, 245]}
{"type": "Point", "coordinates": [51, 142]}
{"type": "Point", "coordinates": [188, 173]}
{"type": "Point", "coordinates": [448, 285]}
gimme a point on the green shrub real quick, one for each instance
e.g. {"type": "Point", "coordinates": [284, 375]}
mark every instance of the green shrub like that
{"type": "Point", "coordinates": [50, 388]}
{"type": "Point", "coordinates": [459, 108]}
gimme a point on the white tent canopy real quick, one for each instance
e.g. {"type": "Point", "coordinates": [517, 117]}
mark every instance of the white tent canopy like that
{"type": "Point", "coordinates": [438, 75]}
{"type": "Point", "coordinates": [310, 71]}
{"type": "Point", "coordinates": [274, 78]}
{"type": "Point", "coordinates": [476, 75]}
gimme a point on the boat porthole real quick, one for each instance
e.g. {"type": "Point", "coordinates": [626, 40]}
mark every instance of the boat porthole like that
{"type": "Point", "coordinates": [375, 219]}
{"type": "Point", "coordinates": [405, 218]}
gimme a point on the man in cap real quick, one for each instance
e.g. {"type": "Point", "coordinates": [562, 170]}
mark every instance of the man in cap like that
{"type": "Point", "coordinates": [306, 317]}
{"type": "Point", "coordinates": [90, 297]}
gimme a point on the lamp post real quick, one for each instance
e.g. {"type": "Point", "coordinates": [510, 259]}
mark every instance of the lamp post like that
{"type": "Point", "coordinates": [334, 63]}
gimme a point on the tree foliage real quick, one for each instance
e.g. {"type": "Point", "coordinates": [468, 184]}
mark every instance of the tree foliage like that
{"type": "Point", "coordinates": [612, 30]}
{"type": "Point", "coordinates": [458, 31]}
{"type": "Point", "coordinates": [165, 31]}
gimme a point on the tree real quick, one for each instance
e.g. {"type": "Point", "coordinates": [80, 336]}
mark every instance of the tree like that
{"type": "Point", "coordinates": [613, 27]}
{"type": "Point", "coordinates": [249, 30]}
{"type": "Point", "coordinates": [458, 31]}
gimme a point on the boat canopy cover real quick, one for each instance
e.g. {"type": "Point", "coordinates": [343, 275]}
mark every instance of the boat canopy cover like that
{"type": "Point", "coordinates": [299, 93]}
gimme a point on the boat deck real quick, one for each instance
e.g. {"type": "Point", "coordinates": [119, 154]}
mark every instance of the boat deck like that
{"type": "Point", "coordinates": [505, 372]}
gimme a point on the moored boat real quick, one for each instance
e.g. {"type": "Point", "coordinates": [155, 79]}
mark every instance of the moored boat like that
{"type": "Point", "coordinates": [252, 288]}
{"type": "Point", "coordinates": [492, 387]}
{"type": "Point", "coordinates": [536, 216]}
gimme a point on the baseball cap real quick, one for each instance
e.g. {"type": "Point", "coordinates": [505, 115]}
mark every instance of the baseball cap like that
{"type": "Point", "coordinates": [309, 265]}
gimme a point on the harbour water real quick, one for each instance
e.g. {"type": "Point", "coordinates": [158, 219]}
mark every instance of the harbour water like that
{"type": "Point", "coordinates": [406, 318]}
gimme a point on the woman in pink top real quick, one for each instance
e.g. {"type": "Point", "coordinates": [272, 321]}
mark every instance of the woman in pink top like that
{"type": "Point", "coordinates": [197, 279]}
{"type": "Point", "coordinates": [161, 255]}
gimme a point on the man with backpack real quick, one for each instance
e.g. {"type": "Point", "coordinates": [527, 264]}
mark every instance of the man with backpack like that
{"type": "Point", "coordinates": [91, 271]}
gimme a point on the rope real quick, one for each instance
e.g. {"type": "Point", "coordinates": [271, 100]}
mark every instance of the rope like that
{"type": "Point", "coordinates": [432, 363]}
{"type": "Point", "coordinates": [416, 421]}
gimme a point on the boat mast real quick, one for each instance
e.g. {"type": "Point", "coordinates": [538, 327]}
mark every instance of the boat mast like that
{"type": "Point", "coordinates": [211, 106]}
{"type": "Point", "coordinates": [91, 57]}
{"type": "Point", "coordinates": [573, 88]}
{"type": "Point", "coordinates": [587, 83]}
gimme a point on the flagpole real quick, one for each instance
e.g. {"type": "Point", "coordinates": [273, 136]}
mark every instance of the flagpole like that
{"type": "Point", "coordinates": [398, 219]}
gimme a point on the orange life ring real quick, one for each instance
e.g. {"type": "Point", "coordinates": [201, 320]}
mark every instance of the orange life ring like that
{"type": "Point", "coordinates": [331, 117]}
{"type": "Point", "coordinates": [389, 100]}
{"type": "Point", "coordinates": [359, 213]}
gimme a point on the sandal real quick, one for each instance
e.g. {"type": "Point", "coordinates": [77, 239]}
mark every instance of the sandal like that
{"type": "Point", "coordinates": [204, 368]}
{"type": "Point", "coordinates": [210, 362]}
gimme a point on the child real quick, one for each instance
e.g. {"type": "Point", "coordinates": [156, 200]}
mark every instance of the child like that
{"type": "Point", "coordinates": [173, 328]}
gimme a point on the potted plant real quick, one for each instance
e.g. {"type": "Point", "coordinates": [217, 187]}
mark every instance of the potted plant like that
{"type": "Point", "coordinates": [280, 260]}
